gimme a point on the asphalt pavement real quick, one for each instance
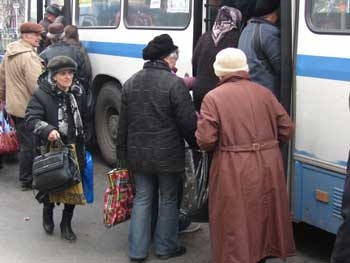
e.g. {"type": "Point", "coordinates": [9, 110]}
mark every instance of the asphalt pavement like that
{"type": "Point", "coordinates": [23, 240]}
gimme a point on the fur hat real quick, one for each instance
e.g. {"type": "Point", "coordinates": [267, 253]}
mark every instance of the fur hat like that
{"type": "Point", "coordinates": [56, 30]}
{"type": "Point", "coordinates": [230, 60]}
{"type": "Point", "coordinates": [30, 27]}
{"type": "Point", "coordinates": [61, 63]}
{"type": "Point", "coordinates": [265, 7]}
{"type": "Point", "coordinates": [159, 47]}
{"type": "Point", "coordinates": [53, 10]}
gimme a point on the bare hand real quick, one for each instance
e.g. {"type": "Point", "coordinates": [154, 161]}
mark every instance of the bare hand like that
{"type": "Point", "coordinates": [53, 136]}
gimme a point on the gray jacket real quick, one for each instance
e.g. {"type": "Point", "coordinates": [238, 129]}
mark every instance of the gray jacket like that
{"type": "Point", "coordinates": [261, 42]}
{"type": "Point", "coordinates": [156, 116]}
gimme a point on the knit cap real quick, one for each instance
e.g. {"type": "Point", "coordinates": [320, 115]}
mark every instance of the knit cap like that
{"type": "Point", "coordinates": [159, 47]}
{"type": "Point", "coordinates": [230, 60]}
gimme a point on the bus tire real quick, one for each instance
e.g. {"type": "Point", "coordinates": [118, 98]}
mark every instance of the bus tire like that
{"type": "Point", "coordinates": [106, 120]}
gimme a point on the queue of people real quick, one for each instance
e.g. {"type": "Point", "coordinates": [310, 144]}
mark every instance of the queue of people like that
{"type": "Point", "coordinates": [234, 116]}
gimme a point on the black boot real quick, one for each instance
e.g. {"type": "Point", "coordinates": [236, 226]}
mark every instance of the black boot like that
{"type": "Point", "coordinates": [66, 228]}
{"type": "Point", "coordinates": [48, 218]}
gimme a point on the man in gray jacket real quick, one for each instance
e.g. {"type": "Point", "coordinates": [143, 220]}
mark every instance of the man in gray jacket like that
{"type": "Point", "coordinates": [19, 73]}
{"type": "Point", "coordinates": [260, 40]}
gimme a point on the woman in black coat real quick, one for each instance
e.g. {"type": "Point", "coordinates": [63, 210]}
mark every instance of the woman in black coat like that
{"type": "Point", "coordinates": [56, 111]}
{"type": "Point", "coordinates": [224, 34]}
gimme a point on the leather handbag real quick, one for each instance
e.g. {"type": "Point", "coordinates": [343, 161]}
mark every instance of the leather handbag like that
{"type": "Point", "coordinates": [56, 170]}
{"type": "Point", "coordinates": [8, 137]}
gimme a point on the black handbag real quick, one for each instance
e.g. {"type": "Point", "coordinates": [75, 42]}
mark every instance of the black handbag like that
{"type": "Point", "coordinates": [56, 170]}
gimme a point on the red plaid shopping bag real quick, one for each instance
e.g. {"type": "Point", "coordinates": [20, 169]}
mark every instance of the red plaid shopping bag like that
{"type": "Point", "coordinates": [118, 198]}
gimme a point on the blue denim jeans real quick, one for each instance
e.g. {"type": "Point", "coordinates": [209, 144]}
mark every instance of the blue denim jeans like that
{"type": "Point", "coordinates": [165, 237]}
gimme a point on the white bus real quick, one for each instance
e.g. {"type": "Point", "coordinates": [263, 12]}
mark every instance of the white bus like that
{"type": "Point", "coordinates": [315, 80]}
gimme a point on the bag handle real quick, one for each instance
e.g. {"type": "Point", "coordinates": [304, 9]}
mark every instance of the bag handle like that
{"type": "Point", "coordinates": [54, 146]}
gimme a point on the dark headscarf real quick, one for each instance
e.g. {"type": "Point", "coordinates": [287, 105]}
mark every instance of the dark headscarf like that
{"type": "Point", "coordinates": [228, 18]}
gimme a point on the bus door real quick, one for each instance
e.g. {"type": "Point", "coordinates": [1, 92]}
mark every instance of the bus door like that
{"type": "Point", "coordinates": [321, 112]}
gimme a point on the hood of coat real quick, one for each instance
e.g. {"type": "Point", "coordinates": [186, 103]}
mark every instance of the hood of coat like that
{"type": "Point", "coordinates": [18, 47]}
{"type": "Point", "coordinates": [234, 76]}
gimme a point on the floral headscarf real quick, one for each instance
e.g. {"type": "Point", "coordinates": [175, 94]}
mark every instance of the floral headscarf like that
{"type": "Point", "coordinates": [228, 18]}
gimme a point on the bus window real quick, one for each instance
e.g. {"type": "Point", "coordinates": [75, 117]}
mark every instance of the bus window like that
{"type": "Point", "coordinates": [98, 13]}
{"type": "Point", "coordinates": [157, 13]}
{"type": "Point", "coordinates": [329, 16]}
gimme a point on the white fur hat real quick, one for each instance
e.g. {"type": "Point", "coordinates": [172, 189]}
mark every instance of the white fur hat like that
{"type": "Point", "coordinates": [230, 60]}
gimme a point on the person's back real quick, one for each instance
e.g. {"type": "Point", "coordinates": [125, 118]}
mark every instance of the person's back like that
{"type": "Point", "coordinates": [71, 36]}
{"type": "Point", "coordinates": [261, 42]}
{"type": "Point", "coordinates": [59, 47]}
{"type": "Point", "coordinates": [155, 117]}
{"type": "Point", "coordinates": [243, 123]}
{"type": "Point", "coordinates": [225, 33]}
{"type": "Point", "coordinates": [156, 102]}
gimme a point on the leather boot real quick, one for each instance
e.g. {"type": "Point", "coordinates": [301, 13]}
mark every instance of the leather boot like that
{"type": "Point", "coordinates": [48, 223]}
{"type": "Point", "coordinates": [66, 228]}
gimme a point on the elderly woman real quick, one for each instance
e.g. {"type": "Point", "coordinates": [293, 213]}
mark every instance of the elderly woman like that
{"type": "Point", "coordinates": [57, 110]}
{"type": "Point", "coordinates": [225, 33]}
{"type": "Point", "coordinates": [156, 116]}
{"type": "Point", "coordinates": [243, 123]}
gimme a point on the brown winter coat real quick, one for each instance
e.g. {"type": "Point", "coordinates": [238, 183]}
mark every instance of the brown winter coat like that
{"type": "Point", "coordinates": [248, 203]}
{"type": "Point", "coordinates": [19, 73]}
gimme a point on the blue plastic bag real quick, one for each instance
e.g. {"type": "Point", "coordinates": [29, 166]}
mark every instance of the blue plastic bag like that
{"type": "Point", "coordinates": [4, 121]}
{"type": "Point", "coordinates": [88, 178]}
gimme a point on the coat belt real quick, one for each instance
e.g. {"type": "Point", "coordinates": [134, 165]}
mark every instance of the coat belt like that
{"type": "Point", "coordinates": [254, 147]}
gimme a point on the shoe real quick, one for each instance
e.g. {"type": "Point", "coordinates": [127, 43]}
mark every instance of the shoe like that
{"type": "Point", "coordinates": [48, 223]}
{"type": "Point", "coordinates": [191, 228]}
{"type": "Point", "coordinates": [178, 252]}
{"type": "Point", "coordinates": [140, 260]}
{"type": "Point", "coordinates": [26, 187]}
{"type": "Point", "coordinates": [66, 227]}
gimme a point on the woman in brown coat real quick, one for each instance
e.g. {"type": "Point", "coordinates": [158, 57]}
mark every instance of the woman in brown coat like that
{"type": "Point", "coordinates": [243, 124]}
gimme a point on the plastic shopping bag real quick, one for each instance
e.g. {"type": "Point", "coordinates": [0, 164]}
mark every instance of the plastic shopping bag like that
{"type": "Point", "coordinates": [88, 178]}
{"type": "Point", "coordinates": [118, 198]}
{"type": "Point", "coordinates": [195, 181]}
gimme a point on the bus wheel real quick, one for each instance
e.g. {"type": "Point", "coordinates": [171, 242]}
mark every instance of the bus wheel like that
{"type": "Point", "coordinates": [106, 120]}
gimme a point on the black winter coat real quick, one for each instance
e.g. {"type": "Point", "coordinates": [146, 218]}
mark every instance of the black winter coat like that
{"type": "Point", "coordinates": [43, 106]}
{"type": "Point", "coordinates": [65, 49]}
{"type": "Point", "coordinates": [156, 116]}
{"type": "Point", "coordinates": [203, 59]}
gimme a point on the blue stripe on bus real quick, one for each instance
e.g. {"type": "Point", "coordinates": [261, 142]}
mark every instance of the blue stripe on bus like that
{"type": "Point", "coordinates": [323, 67]}
{"type": "Point", "coordinates": [114, 49]}
{"type": "Point", "coordinates": [307, 66]}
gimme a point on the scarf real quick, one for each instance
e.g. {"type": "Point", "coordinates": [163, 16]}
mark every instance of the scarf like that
{"type": "Point", "coordinates": [68, 100]}
{"type": "Point", "coordinates": [228, 18]}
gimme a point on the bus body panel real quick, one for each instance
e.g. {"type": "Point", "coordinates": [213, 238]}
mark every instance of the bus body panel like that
{"type": "Point", "coordinates": [322, 86]}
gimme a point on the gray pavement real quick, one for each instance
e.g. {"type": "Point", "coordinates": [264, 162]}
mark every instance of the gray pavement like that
{"type": "Point", "coordinates": [22, 239]}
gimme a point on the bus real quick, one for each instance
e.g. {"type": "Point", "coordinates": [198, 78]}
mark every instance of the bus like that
{"type": "Point", "coordinates": [315, 79]}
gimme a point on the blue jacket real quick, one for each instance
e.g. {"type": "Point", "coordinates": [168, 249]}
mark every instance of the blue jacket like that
{"type": "Point", "coordinates": [263, 53]}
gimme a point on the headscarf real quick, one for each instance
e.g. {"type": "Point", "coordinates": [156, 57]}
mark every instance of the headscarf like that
{"type": "Point", "coordinates": [228, 18]}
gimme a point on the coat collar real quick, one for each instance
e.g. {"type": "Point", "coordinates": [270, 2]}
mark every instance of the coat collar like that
{"type": "Point", "coordinates": [158, 64]}
{"type": "Point", "coordinates": [234, 76]}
